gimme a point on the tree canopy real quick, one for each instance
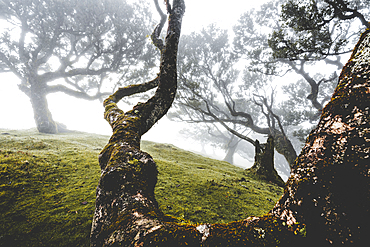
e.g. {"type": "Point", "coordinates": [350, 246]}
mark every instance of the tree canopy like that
{"type": "Point", "coordinates": [315, 30]}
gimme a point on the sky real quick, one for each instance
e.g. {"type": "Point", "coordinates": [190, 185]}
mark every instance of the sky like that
{"type": "Point", "coordinates": [200, 13]}
{"type": "Point", "coordinates": [16, 111]}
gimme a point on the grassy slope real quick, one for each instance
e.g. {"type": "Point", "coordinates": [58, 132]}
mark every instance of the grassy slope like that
{"type": "Point", "coordinates": [47, 187]}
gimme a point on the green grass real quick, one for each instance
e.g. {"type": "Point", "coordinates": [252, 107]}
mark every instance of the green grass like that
{"type": "Point", "coordinates": [47, 187]}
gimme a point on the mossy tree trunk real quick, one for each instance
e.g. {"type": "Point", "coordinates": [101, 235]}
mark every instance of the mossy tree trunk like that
{"type": "Point", "coordinates": [125, 205]}
{"type": "Point", "coordinates": [263, 166]}
{"type": "Point", "coordinates": [326, 199]}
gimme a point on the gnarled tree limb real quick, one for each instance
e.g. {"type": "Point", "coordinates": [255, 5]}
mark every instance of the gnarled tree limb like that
{"type": "Point", "coordinates": [125, 203]}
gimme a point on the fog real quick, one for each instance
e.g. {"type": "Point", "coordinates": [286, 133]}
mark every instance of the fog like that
{"type": "Point", "coordinates": [83, 115]}
{"type": "Point", "coordinates": [87, 116]}
{"type": "Point", "coordinates": [16, 111]}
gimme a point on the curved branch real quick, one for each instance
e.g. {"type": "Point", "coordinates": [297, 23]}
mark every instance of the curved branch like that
{"type": "Point", "coordinates": [314, 86]}
{"type": "Point", "coordinates": [74, 93]}
{"type": "Point", "coordinates": [50, 76]}
{"type": "Point", "coordinates": [158, 29]}
{"type": "Point", "coordinates": [230, 129]}
{"type": "Point", "coordinates": [355, 14]}
{"type": "Point", "coordinates": [335, 62]}
{"type": "Point", "coordinates": [269, 109]}
{"type": "Point", "coordinates": [134, 89]}
{"type": "Point", "coordinates": [10, 65]}
{"type": "Point", "coordinates": [235, 113]}
{"type": "Point", "coordinates": [122, 193]}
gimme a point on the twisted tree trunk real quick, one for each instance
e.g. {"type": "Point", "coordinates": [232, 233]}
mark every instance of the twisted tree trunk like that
{"type": "Point", "coordinates": [43, 118]}
{"type": "Point", "coordinates": [126, 208]}
{"type": "Point", "coordinates": [326, 199]}
{"type": "Point", "coordinates": [37, 92]}
{"type": "Point", "coordinates": [284, 147]}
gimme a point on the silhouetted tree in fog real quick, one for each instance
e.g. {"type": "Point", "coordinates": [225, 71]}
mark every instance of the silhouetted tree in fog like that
{"type": "Point", "coordinates": [293, 36]}
{"type": "Point", "coordinates": [210, 91]}
{"type": "Point", "coordinates": [82, 42]}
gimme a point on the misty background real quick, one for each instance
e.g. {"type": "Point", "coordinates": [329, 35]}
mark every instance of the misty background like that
{"type": "Point", "coordinates": [237, 81]}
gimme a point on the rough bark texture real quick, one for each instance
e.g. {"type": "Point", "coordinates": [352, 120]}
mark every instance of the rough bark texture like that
{"type": "Point", "coordinates": [326, 199]}
{"type": "Point", "coordinates": [263, 166]}
{"type": "Point", "coordinates": [329, 186]}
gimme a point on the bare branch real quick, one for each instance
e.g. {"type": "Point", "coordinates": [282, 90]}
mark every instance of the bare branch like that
{"type": "Point", "coordinates": [230, 129]}
{"type": "Point", "coordinates": [74, 93]}
{"type": "Point", "coordinates": [50, 76]}
{"type": "Point", "coordinates": [158, 42]}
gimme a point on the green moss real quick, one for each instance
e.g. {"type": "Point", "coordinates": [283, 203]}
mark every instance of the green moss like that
{"type": "Point", "coordinates": [48, 182]}
{"type": "Point", "coordinates": [47, 188]}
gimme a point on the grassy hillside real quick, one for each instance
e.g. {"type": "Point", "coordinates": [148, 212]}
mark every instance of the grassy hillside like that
{"type": "Point", "coordinates": [47, 187]}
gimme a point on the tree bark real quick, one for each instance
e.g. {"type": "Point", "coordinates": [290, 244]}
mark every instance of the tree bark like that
{"type": "Point", "coordinates": [125, 205]}
{"type": "Point", "coordinates": [263, 166]}
{"type": "Point", "coordinates": [43, 117]}
{"type": "Point", "coordinates": [326, 199]}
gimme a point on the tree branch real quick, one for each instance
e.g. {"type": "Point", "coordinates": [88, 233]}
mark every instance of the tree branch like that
{"type": "Point", "coordinates": [50, 76]}
{"type": "Point", "coordinates": [230, 129]}
{"type": "Point", "coordinates": [355, 14]}
{"type": "Point", "coordinates": [125, 145]}
{"type": "Point", "coordinates": [134, 89]}
{"type": "Point", "coordinates": [74, 93]}
{"type": "Point", "coordinates": [22, 54]}
{"type": "Point", "coordinates": [314, 86]}
{"type": "Point", "coordinates": [158, 42]}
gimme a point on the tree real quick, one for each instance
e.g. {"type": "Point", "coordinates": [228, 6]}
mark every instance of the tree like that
{"type": "Point", "coordinates": [294, 109]}
{"type": "Point", "coordinates": [270, 54]}
{"type": "Point", "coordinates": [83, 42]}
{"type": "Point", "coordinates": [263, 166]}
{"type": "Point", "coordinates": [297, 35]}
{"type": "Point", "coordinates": [209, 91]}
{"type": "Point", "coordinates": [326, 199]}
{"type": "Point", "coordinates": [310, 32]}
{"type": "Point", "coordinates": [128, 127]}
